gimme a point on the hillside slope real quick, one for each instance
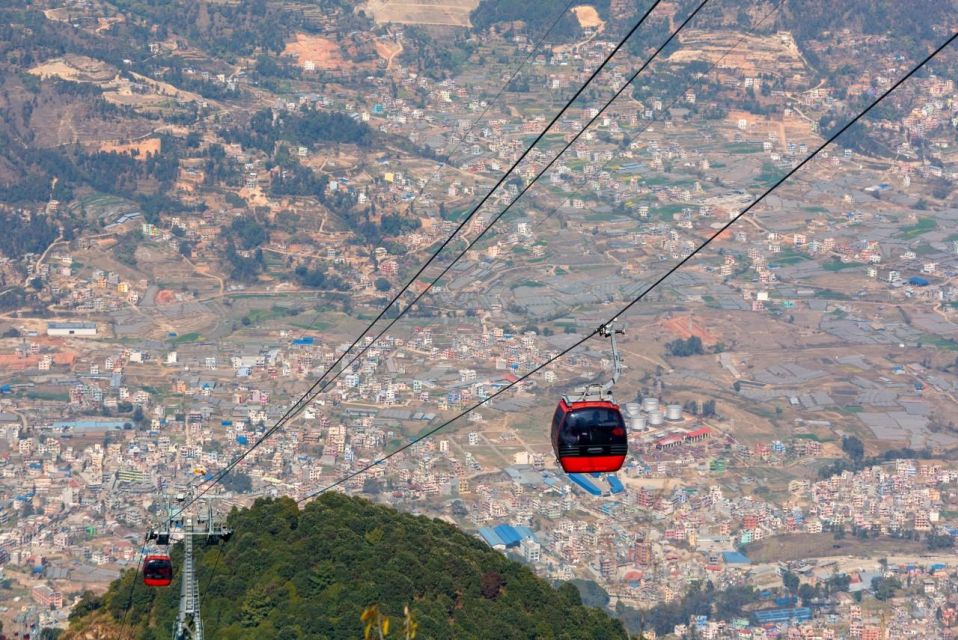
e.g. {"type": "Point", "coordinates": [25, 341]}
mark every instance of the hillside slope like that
{"type": "Point", "coordinates": [290, 574]}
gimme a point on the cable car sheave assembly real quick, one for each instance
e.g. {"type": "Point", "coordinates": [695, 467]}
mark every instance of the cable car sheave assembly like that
{"type": "Point", "coordinates": [588, 432]}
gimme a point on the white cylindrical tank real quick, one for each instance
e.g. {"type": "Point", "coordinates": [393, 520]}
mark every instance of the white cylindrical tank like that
{"type": "Point", "coordinates": [636, 423]}
{"type": "Point", "coordinates": [650, 404]}
{"type": "Point", "coordinates": [632, 409]}
{"type": "Point", "coordinates": [655, 418]}
{"type": "Point", "coordinates": [673, 412]}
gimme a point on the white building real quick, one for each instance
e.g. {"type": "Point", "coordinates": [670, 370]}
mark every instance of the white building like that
{"type": "Point", "coordinates": [531, 550]}
{"type": "Point", "coordinates": [84, 329]}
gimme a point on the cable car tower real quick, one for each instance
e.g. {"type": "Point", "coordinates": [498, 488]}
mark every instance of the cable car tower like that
{"type": "Point", "coordinates": [201, 524]}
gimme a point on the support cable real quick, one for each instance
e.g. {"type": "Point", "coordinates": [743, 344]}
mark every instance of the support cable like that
{"type": "Point", "coordinates": [462, 138]}
{"type": "Point", "coordinates": [311, 393]}
{"type": "Point", "coordinates": [648, 289]}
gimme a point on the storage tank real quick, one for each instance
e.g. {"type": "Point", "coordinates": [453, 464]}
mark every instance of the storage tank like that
{"type": "Point", "coordinates": [673, 412]}
{"type": "Point", "coordinates": [650, 404]}
{"type": "Point", "coordinates": [632, 409]}
{"type": "Point", "coordinates": [655, 418]}
{"type": "Point", "coordinates": [637, 423]}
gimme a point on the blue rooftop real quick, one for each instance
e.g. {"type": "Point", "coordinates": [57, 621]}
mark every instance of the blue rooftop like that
{"type": "Point", "coordinates": [615, 483]}
{"type": "Point", "coordinates": [89, 425]}
{"type": "Point", "coordinates": [734, 557]}
{"type": "Point", "coordinates": [583, 481]}
{"type": "Point", "coordinates": [505, 535]}
{"type": "Point", "coordinates": [799, 614]}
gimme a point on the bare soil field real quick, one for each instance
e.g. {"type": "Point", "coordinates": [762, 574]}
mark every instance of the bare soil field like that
{"type": "Point", "coordinates": [164, 296]}
{"type": "Point", "coordinates": [141, 147]}
{"type": "Point", "coordinates": [452, 13]}
{"type": "Point", "coordinates": [822, 545]}
{"type": "Point", "coordinates": [76, 69]}
{"type": "Point", "coordinates": [756, 53]}
{"type": "Point", "coordinates": [588, 17]}
{"type": "Point", "coordinates": [786, 130]}
{"type": "Point", "coordinates": [322, 52]}
{"type": "Point", "coordinates": [388, 50]}
{"type": "Point", "coordinates": [104, 24]}
{"type": "Point", "coordinates": [60, 14]}
{"type": "Point", "coordinates": [13, 362]}
{"type": "Point", "coordinates": [686, 327]}
{"type": "Point", "coordinates": [118, 90]}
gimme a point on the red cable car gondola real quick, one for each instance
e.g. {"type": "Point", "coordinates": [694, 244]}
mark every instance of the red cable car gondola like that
{"type": "Point", "coordinates": [157, 571]}
{"type": "Point", "coordinates": [588, 432]}
{"type": "Point", "coordinates": [589, 436]}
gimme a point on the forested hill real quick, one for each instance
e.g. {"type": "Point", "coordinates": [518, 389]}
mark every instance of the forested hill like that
{"type": "Point", "coordinates": [537, 16]}
{"type": "Point", "coordinates": [289, 574]}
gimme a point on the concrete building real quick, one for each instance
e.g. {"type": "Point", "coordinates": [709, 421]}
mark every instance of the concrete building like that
{"type": "Point", "coordinates": [79, 329]}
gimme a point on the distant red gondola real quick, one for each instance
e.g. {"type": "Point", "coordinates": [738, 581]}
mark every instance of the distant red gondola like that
{"type": "Point", "coordinates": [157, 571]}
{"type": "Point", "coordinates": [588, 432]}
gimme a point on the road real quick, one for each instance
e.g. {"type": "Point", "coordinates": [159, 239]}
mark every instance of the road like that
{"type": "Point", "coordinates": [43, 256]}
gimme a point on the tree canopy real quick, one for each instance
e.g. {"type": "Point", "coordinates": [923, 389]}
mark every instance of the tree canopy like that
{"type": "Point", "coordinates": [310, 573]}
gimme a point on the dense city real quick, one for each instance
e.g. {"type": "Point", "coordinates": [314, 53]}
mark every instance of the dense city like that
{"type": "Point", "coordinates": [789, 393]}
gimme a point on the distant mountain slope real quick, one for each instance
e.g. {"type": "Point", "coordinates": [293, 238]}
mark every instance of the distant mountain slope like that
{"type": "Point", "coordinates": [909, 22]}
{"type": "Point", "coordinates": [290, 574]}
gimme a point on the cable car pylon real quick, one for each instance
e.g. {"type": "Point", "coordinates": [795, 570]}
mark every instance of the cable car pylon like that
{"type": "Point", "coordinates": [189, 621]}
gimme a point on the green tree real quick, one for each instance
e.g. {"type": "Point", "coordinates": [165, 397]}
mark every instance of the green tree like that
{"type": "Point", "coordinates": [853, 447]}
{"type": "Point", "coordinates": [885, 588]}
{"type": "Point", "coordinates": [791, 582]}
{"type": "Point", "coordinates": [313, 571]}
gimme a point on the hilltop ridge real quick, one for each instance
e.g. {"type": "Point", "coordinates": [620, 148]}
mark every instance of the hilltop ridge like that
{"type": "Point", "coordinates": [289, 573]}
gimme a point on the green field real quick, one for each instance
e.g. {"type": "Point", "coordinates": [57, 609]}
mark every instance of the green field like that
{"type": "Point", "coordinates": [789, 257]}
{"type": "Point", "coordinates": [316, 325]}
{"type": "Point", "coordinates": [743, 147]}
{"type": "Point", "coordinates": [828, 294]}
{"type": "Point", "coordinates": [246, 296]}
{"type": "Point", "coordinates": [667, 211]}
{"type": "Point", "coordinates": [838, 265]}
{"type": "Point", "coordinates": [937, 341]}
{"type": "Point", "coordinates": [256, 316]}
{"type": "Point", "coordinates": [924, 225]}
{"type": "Point", "coordinates": [851, 409]}
{"type": "Point", "coordinates": [186, 337]}
{"type": "Point", "coordinates": [811, 436]}
{"type": "Point", "coordinates": [526, 283]}
{"type": "Point", "coordinates": [50, 396]}
{"type": "Point", "coordinates": [769, 175]}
